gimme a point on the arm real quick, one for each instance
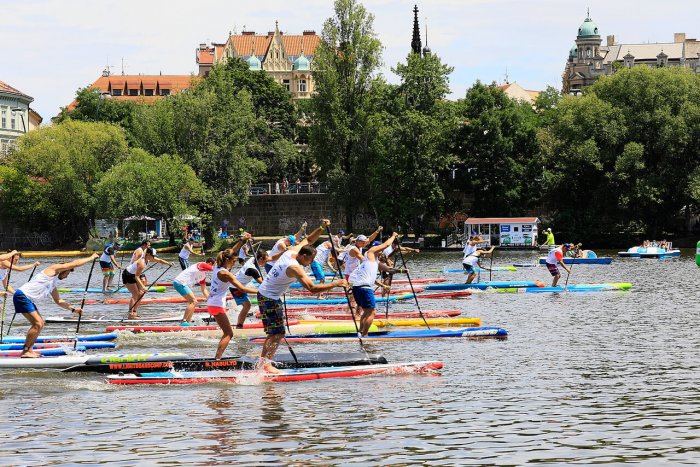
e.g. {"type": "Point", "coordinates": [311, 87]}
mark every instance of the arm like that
{"type": "Point", "coordinates": [62, 267]}
{"type": "Point", "coordinates": [17, 267]}
{"type": "Point", "coordinates": [161, 261]}
{"type": "Point", "coordinates": [241, 241]}
{"type": "Point", "coordinates": [300, 232]}
{"type": "Point", "coordinates": [114, 262]}
{"type": "Point", "coordinates": [226, 276]}
{"type": "Point", "coordinates": [203, 286]}
{"type": "Point", "coordinates": [376, 249]}
{"type": "Point", "coordinates": [371, 238]}
{"type": "Point", "coordinates": [64, 304]}
{"type": "Point", "coordinates": [9, 255]}
{"type": "Point", "coordinates": [313, 236]}
{"type": "Point", "coordinates": [306, 281]}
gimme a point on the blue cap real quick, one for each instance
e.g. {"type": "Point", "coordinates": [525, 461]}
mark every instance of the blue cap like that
{"type": "Point", "coordinates": [375, 243]}
{"type": "Point", "coordinates": [292, 239]}
{"type": "Point", "coordinates": [341, 232]}
{"type": "Point", "coordinates": [567, 245]}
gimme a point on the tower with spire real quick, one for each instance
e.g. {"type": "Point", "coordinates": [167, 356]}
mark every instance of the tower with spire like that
{"type": "Point", "coordinates": [415, 41]}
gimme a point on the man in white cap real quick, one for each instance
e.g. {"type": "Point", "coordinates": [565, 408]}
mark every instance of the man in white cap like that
{"type": "Point", "coordinates": [550, 238]}
{"type": "Point", "coordinates": [355, 255]}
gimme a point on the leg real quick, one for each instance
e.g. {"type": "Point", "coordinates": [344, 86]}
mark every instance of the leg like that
{"type": "Point", "coordinates": [191, 304]}
{"type": "Point", "coordinates": [556, 279]}
{"type": "Point", "coordinates": [366, 320]}
{"type": "Point", "coordinates": [225, 325]}
{"type": "Point", "coordinates": [135, 295]}
{"type": "Point", "coordinates": [272, 316]}
{"type": "Point", "coordinates": [470, 277]}
{"type": "Point", "coordinates": [37, 324]}
{"type": "Point", "coordinates": [245, 308]}
{"type": "Point", "coordinates": [272, 341]}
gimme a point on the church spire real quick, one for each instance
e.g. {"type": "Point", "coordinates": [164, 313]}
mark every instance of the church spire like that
{"type": "Point", "coordinates": [415, 41]}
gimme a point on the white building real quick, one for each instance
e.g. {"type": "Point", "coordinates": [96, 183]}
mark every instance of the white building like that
{"type": "Point", "coordinates": [16, 117]}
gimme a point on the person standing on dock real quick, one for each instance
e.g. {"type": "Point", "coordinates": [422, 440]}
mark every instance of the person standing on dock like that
{"type": "Point", "coordinates": [555, 256]}
{"type": "Point", "coordinates": [287, 270]}
{"type": "Point", "coordinates": [108, 262]}
{"type": "Point", "coordinates": [550, 238]}
{"type": "Point", "coordinates": [473, 261]}
{"type": "Point", "coordinates": [363, 279]}
{"type": "Point", "coordinates": [42, 287]}
{"type": "Point", "coordinates": [195, 274]}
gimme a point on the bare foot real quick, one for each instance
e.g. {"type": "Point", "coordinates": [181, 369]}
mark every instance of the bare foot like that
{"type": "Point", "coordinates": [29, 354]}
{"type": "Point", "coordinates": [269, 368]}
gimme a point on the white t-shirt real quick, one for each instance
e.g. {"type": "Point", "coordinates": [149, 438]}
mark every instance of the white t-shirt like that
{"type": "Point", "coordinates": [277, 282]}
{"type": "Point", "coordinates": [365, 273]}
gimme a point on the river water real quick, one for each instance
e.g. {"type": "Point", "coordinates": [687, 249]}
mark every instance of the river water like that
{"type": "Point", "coordinates": [584, 378]}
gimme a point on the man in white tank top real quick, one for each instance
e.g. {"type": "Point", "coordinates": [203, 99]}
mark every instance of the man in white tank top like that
{"type": "Point", "coordinates": [363, 280]}
{"type": "Point", "coordinates": [8, 260]}
{"type": "Point", "coordinates": [283, 245]}
{"type": "Point", "coordinates": [41, 287]}
{"type": "Point", "coordinates": [288, 269]}
{"type": "Point", "coordinates": [472, 261]}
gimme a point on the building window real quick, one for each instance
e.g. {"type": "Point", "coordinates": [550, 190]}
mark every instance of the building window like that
{"type": "Point", "coordinates": [287, 86]}
{"type": "Point", "coordinates": [148, 92]}
{"type": "Point", "coordinates": [4, 117]}
{"type": "Point", "coordinates": [301, 85]}
{"type": "Point", "coordinates": [165, 92]}
{"type": "Point", "coordinates": [13, 121]}
{"type": "Point", "coordinates": [116, 92]}
{"type": "Point", "coordinates": [133, 92]}
{"type": "Point", "coordinates": [588, 53]}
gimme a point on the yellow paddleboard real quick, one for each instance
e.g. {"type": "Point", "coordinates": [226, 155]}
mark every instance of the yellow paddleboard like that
{"type": "Point", "coordinates": [431, 322]}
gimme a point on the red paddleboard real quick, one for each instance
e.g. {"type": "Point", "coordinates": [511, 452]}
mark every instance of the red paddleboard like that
{"type": "Point", "coordinates": [181, 328]}
{"type": "Point", "coordinates": [464, 293]}
{"type": "Point", "coordinates": [298, 374]}
{"type": "Point", "coordinates": [341, 293]}
{"type": "Point", "coordinates": [173, 299]}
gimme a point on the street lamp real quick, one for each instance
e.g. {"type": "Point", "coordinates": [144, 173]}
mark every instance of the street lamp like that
{"type": "Point", "coordinates": [21, 114]}
{"type": "Point", "coordinates": [103, 95]}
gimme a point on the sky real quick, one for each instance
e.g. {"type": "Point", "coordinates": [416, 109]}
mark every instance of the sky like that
{"type": "Point", "coordinates": [50, 48]}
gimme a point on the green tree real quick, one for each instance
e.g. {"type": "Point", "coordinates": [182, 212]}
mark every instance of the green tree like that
{"type": "Point", "coordinates": [345, 64]}
{"type": "Point", "coordinates": [92, 105]}
{"type": "Point", "coordinates": [497, 146]}
{"type": "Point", "coordinates": [424, 81]}
{"type": "Point", "coordinates": [162, 186]}
{"type": "Point", "coordinates": [68, 160]}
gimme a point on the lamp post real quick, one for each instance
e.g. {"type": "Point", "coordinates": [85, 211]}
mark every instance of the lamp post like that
{"type": "Point", "coordinates": [103, 95]}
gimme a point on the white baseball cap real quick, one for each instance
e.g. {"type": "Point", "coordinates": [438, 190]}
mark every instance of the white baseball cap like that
{"type": "Point", "coordinates": [361, 238]}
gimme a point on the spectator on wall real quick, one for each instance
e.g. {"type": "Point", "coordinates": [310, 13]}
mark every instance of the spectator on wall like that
{"type": "Point", "coordinates": [285, 185]}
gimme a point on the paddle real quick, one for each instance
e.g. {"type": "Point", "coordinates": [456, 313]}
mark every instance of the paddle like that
{"type": "Point", "coordinates": [147, 290]}
{"type": "Point", "coordinates": [566, 283]}
{"type": "Point", "coordinates": [121, 269]}
{"type": "Point", "coordinates": [4, 300]}
{"type": "Point", "coordinates": [82, 303]}
{"type": "Point", "coordinates": [388, 294]}
{"type": "Point", "coordinates": [347, 296]}
{"type": "Point", "coordinates": [413, 291]}
{"type": "Point", "coordinates": [284, 301]}
{"type": "Point", "coordinates": [9, 328]}
{"type": "Point", "coordinates": [491, 267]}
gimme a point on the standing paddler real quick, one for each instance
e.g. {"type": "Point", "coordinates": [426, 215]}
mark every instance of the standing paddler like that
{"type": "Point", "coordinates": [184, 255]}
{"type": "Point", "coordinates": [363, 279]}
{"type": "Point", "coordinates": [10, 260]}
{"type": "Point", "coordinates": [282, 245]}
{"type": "Point", "coordinates": [472, 261]}
{"type": "Point", "coordinates": [131, 277]}
{"type": "Point", "coordinates": [249, 272]}
{"type": "Point", "coordinates": [221, 280]}
{"type": "Point", "coordinates": [557, 256]}
{"type": "Point", "coordinates": [183, 283]}
{"type": "Point", "coordinates": [107, 263]}
{"type": "Point", "coordinates": [287, 270]}
{"type": "Point", "coordinates": [42, 287]}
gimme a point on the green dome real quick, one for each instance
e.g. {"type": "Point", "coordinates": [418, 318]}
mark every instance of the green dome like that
{"type": "Point", "coordinates": [254, 63]}
{"type": "Point", "coordinates": [301, 63]}
{"type": "Point", "coordinates": [573, 52]}
{"type": "Point", "coordinates": [588, 28]}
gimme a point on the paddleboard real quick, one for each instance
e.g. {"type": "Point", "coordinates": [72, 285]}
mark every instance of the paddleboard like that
{"type": "Point", "coordinates": [418, 322]}
{"type": "Point", "coordinates": [477, 269]}
{"type": "Point", "coordinates": [155, 288]}
{"type": "Point", "coordinates": [43, 352]}
{"type": "Point", "coordinates": [245, 362]}
{"type": "Point", "coordinates": [474, 333]}
{"type": "Point", "coordinates": [288, 375]}
{"type": "Point", "coordinates": [460, 294]}
{"type": "Point", "coordinates": [570, 288]}
{"type": "Point", "coordinates": [342, 294]}
{"type": "Point", "coordinates": [83, 338]}
{"type": "Point", "coordinates": [55, 345]}
{"type": "Point", "coordinates": [105, 319]}
{"type": "Point", "coordinates": [485, 285]}
{"type": "Point", "coordinates": [398, 315]}
{"type": "Point", "coordinates": [295, 327]}
{"type": "Point", "coordinates": [61, 362]}
{"type": "Point", "coordinates": [599, 260]}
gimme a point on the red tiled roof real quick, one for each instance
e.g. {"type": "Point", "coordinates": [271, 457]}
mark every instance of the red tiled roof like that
{"type": "Point", "coordinates": [502, 220]}
{"type": "Point", "coordinates": [243, 44]}
{"type": "Point", "coordinates": [206, 57]}
{"type": "Point", "coordinates": [175, 83]}
{"type": "Point", "coordinates": [4, 87]}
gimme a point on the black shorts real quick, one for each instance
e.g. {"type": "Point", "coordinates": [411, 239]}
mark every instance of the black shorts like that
{"type": "Point", "coordinates": [128, 278]}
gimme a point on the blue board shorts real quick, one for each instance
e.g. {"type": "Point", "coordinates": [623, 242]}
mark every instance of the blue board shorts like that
{"type": "Point", "coordinates": [553, 269]}
{"type": "Point", "coordinates": [182, 289]}
{"type": "Point", "coordinates": [271, 314]}
{"type": "Point", "coordinates": [184, 263]}
{"type": "Point", "coordinates": [22, 303]}
{"type": "Point", "coordinates": [364, 297]}
{"type": "Point", "coordinates": [107, 268]}
{"type": "Point", "coordinates": [239, 297]}
{"type": "Point", "coordinates": [468, 268]}
{"type": "Point", "coordinates": [317, 269]}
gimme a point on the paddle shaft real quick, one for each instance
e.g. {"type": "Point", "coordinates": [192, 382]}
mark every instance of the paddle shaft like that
{"type": "Point", "coordinates": [566, 283]}
{"type": "Point", "coordinates": [9, 328]}
{"type": "Point", "coordinates": [121, 263]}
{"type": "Point", "coordinates": [491, 267]}
{"type": "Point", "coordinates": [4, 300]}
{"type": "Point", "coordinates": [82, 303]}
{"type": "Point", "coordinates": [347, 295]}
{"type": "Point", "coordinates": [284, 298]}
{"type": "Point", "coordinates": [148, 289]}
{"type": "Point", "coordinates": [413, 291]}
